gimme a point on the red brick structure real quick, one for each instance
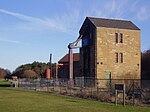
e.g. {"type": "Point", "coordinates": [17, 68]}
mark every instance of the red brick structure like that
{"type": "Point", "coordinates": [63, 69]}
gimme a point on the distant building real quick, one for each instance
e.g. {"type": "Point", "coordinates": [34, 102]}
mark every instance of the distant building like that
{"type": "Point", "coordinates": [14, 78]}
{"type": "Point", "coordinates": [110, 49]}
{"type": "Point", "coordinates": [63, 69]}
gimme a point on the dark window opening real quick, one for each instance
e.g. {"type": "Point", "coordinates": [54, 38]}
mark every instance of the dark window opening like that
{"type": "Point", "coordinates": [116, 57]}
{"type": "Point", "coordinates": [116, 36]}
{"type": "Point", "coordinates": [121, 57]}
{"type": "Point", "coordinates": [121, 38]}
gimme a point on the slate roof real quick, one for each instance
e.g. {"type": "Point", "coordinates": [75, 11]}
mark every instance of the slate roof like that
{"type": "Point", "coordinates": [76, 57]}
{"type": "Point", "coordinates": [113, 23]}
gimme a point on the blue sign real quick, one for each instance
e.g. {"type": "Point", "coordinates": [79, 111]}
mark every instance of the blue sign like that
{"type": "Point", "coordinates": [85, 41]}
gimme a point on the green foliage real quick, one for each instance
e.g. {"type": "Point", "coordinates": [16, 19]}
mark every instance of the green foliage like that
{"type": "Point", "coordinates": [12, 100]}
{"type": "Point", "coordinates": [37, 67]}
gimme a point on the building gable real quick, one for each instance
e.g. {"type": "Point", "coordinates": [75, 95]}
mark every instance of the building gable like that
{"type": "Point", "coordinates": [108, 23]}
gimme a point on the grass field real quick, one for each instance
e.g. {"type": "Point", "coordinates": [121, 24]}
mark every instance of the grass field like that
{"type": "Point", "coordinates": [13, 100]}
{"type": "Point", "coordinates": [4, 83]}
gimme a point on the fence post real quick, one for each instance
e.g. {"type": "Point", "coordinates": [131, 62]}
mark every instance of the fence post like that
{"type": "Point", "coordinates": [81, 92]}
{"type": "Point", "coordinates": [124, 95]}
{"type": "Point", "coordinates": [97, 90]}
{"type": "Point", "coordinates": [70, 90]}
{"type": "Point", "coordinates": [54, 86]}
{"type": "Point", "coordinates": [60, 87]}
{"type": "Point", "coordinates": [35, 84]}
{"type": "Point", "coordinates": [47, 85]}
{"type": "Point", "coordinates": [133, 93]}
{"type": "Point", "coordinates": [116, 96]}
{"type": "Point", "coordinates": [30, 83]}
{"type": "Point", "coordinates": [91, 92]}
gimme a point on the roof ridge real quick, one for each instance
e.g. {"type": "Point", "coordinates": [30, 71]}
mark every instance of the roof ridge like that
{"type": "Point", "coordinates": [113, 23]}
{"type": "Point", "coordinates": [65, 57]}
{"type": "Point", "coordinates": [116, 19]}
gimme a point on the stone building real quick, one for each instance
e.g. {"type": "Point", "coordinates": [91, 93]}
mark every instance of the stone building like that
{"type": "Point", "coordinates": [110, 49]}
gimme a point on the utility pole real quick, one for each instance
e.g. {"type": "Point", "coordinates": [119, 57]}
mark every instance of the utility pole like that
{"type": "Point", "coordinates": [70, 57]}
{"type": "Point", "coordinates": [50, 67]}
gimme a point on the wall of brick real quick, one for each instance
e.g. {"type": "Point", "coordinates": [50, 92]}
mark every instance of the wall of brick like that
{"type": "Point", "coordinates": [106, 47]}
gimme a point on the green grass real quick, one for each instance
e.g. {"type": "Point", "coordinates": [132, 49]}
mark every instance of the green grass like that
{"type": "Point", "coordinates": [4, 83]}
{"type": "Point", "coordinates": [12, 100]}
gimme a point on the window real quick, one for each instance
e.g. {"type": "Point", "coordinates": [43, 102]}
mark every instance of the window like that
{"type": "Point", "coordinates": [116, 35]}
{"type": "Point", "coordinates": [121, 38]}
{"type": "Point", "coordinates": [121, 57]}
{"type": "Point", "coordinates": [116, 57]}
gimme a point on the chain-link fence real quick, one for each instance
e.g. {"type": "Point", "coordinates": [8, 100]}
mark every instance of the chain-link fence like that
{"type": "Point", "coordinates": [137, 92]}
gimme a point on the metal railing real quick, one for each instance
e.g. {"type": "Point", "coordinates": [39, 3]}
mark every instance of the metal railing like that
{"type": "Point", "coordinates": [137, 92]}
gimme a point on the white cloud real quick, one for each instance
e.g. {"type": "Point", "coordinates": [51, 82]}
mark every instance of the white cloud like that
{"type": "Point", "coordinates": [9, 41]}
{"type": "Point", "coordinates": [33, 23]}
{"type": "Point", "coordinates": [71, 19]}
{"type": "Point", "coordinates": [126, 9]}
{"type": "Point", "coordinates": [140, 10]}
{"type": "Point", "coordinates": [143, 14]}
{"type": "Point", "coordinates": [20, 16]}
{"type": "Point", "coordinates": [107, 9]}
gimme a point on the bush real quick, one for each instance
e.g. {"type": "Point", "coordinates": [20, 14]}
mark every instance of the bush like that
{"type": "Point", "coordinates": [30, 74]}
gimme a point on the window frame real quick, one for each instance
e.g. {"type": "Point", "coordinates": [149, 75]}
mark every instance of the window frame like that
{"type": "Point", "coordinates": [116, 38]}
{"type": "Point", "coordinates": [121, 57]}
{"type": "Point", "coordinates": [121, 38]}
{"type": "Point", "coordinates": [116, 57]}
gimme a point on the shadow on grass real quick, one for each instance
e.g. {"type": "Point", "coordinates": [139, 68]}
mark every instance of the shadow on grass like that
{"type": "Point", "coordinates": [5, 85]}
{"type": "Point", "coordinates": [71, 101]}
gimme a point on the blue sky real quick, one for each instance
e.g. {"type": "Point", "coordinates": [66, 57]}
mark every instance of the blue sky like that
{"type": "Point", "coordinates": [31, 29]}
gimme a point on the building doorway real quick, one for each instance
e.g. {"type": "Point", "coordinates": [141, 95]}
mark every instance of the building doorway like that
{"type": "Point", "coordinates": [108, 79]}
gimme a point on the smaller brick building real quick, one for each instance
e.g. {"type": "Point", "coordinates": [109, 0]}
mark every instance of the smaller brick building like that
{"type": "Point", "coordinates": [63, 70]}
